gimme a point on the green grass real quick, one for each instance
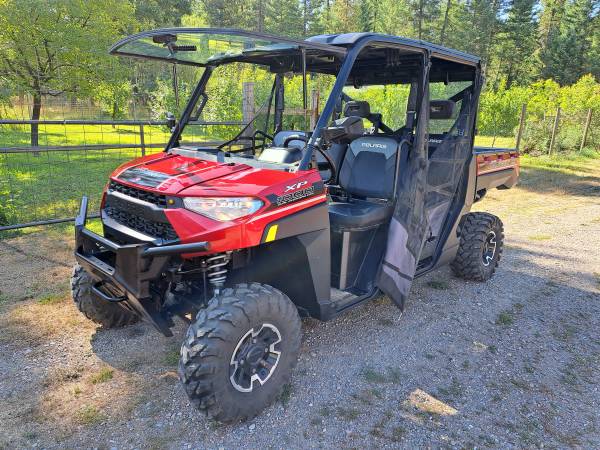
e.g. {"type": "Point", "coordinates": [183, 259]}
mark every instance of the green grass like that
{"type": "Point", "coordinates": [390, 375]}
{"type": "Point", "coordinates": [171, 359]}
{"type": "Point", "coordinates": [347, 413]}
{"type": "Point", "coordinates": [372, 376]}
{"type": "Point", "coordinates": [89, 415]}
{"type": "Point", "coordinates": [286, 394]}
{"type": "Point", "coordinates": [505, 318]}
{"type": "Point", "coordinates": [498, 142]}
{"type": "Point", "coordinates": [4, 298]}
{"type": "Point", "coordinates": [102, 376]}
{"type": "Point", "coordinates": [439, 285]}
{"type": "Point", "coordinates": [19, 135]}
{"type": "Point", "coordinates": [51, 299]}
{"type": "Point", "coordinates": [51, 185]}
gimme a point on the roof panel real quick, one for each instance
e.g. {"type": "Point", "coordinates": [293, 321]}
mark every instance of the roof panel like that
{"type": "Point", "coordinates": [349, 39]}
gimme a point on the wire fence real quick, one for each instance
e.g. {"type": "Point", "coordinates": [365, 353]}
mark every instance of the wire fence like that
{"type": "Point", "coordinates": [75, 155]}
{"type": "Point", "coordinates": [43, 184]}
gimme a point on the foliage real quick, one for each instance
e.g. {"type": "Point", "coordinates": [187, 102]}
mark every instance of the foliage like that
{"type": "Point", "coordinates": [113, 98]}
{"type": "Point", "coordinates": [533, 52]}
{"type": "Point", "coordinates": [49, 47]}
{"type": "Point", "coordinates": [500, 109]}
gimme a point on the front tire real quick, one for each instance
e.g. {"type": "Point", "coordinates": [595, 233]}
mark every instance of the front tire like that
{"type": "Point", "coordinates": [480, 248]}
{"type": "Point", "coordinates": [109, 315]}
{"type": "Point", "coordinates": [240, 351]}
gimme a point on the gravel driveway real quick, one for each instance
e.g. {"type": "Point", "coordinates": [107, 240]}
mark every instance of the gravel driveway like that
{"type": "Point", "coordinates": [514, 362]}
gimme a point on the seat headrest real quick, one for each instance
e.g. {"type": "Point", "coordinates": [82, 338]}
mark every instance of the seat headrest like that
{"type": "Point", "coordinates": [357, 108]}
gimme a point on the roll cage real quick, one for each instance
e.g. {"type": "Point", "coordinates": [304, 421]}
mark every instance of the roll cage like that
{"type": "Point", "coordinates": [389, 59]}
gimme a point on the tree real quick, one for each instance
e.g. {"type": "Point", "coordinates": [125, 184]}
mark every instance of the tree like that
{"type": "Point", "coordinates": [345, 16]}
{"type": "Point", "coordinates": [284, 17]}
{"type": "Point", "coordinates": [565, 56]}
{"type": "Point", "coordinates": [49, 47]}
{"type": "Point", "coordinates": [516, 44]}
{"type": "Point", "coordinates": [161, 13]}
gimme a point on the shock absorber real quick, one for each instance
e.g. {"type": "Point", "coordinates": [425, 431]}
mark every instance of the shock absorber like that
{"type": "Point", "coordinates": [216, 267]}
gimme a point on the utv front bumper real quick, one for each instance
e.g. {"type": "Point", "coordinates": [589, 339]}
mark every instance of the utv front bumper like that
{"type": "Point", "coordinates": [123, 273]}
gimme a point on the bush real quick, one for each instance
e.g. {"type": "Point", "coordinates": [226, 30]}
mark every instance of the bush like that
{"type": "Point", "coordinates": [500, 111]}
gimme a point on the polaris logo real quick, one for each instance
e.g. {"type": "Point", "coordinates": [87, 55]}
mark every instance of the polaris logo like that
{"type": "Point", "coordinates": [371, 145]}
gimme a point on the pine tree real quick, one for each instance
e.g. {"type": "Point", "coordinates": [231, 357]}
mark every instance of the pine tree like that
{"type": "Point", "coordinates": [284, 17]}
{"type": "Point", "coordinates": [515, 58]}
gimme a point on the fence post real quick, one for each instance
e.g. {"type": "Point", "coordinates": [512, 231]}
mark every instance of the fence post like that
{"type": "Point", "coordinates": [248, 106]}
{"type": "Point", "coordinates": [521, 126]}
{"type": "Point", "coordinates": [554, 130]}
{"type": "Point", "coordinates": [586, 129]}
{"type": "Point", "coordinates": [142, 140]}
{"type": "Point", "coordinates": [314, 108]}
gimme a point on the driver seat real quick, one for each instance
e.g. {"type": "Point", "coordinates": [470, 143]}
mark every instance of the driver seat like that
{"type": "Point", "coordinates": [367, 175]}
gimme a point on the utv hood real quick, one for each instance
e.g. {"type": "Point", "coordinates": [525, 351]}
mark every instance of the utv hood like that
{"type": "Point", "coordinates": [170, 174]}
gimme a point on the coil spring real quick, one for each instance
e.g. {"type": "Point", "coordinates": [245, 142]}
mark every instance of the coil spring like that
{"type": "Point", "coordinates": [217, 272]}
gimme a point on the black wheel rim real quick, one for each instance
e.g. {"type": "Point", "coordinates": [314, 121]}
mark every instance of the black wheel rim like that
{"type": "Point", "coordinates": [489, 248]}
{"type": "Point", "coordinates": [255, 357]}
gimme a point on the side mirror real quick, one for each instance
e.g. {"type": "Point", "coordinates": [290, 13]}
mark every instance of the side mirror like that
{"type": "Point", "coordinates": [171, 121]}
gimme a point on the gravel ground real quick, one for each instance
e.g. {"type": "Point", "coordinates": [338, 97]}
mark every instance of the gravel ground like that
{"type": "Point", "coordinates": [514, 362]}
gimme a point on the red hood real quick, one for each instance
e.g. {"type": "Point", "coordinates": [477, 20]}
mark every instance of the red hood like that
{"type": "Point", "coordinates": [172, 174]}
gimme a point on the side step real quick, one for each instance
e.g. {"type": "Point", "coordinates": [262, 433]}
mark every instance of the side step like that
{"type": "Point", "coordinates": [343, 300]}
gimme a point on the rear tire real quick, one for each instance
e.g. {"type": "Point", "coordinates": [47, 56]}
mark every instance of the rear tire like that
{"type": "Point", "coordinates": [109, 315]}
{"type": "Point", "coordinates": [480, 248]}
{"type": "Point", "coordinates": [240, 351]}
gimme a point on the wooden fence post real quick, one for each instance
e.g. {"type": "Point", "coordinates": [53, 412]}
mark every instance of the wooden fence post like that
{"type": "Point", "coordinates": [248, 106]}
{"type": "Point", "coordinates": [586, 129]}
{"type": "Point", "coordinates": [521, 126]}
{"type": "Point", "coordinates": [314, 108]}
{"type": "Point", "coordinates": [142, 140]}
{"type": "Point", "coordinates": [554, 130]}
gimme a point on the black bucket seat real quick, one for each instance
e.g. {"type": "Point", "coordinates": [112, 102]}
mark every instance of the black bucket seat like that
{"type": "Point", "coordinates": [367, 174]}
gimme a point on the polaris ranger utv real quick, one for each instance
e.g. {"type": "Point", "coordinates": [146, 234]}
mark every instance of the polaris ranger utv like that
{"type": "Point", "coordinates": [241, 234]}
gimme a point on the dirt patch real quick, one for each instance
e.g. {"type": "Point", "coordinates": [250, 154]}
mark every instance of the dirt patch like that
{"type": "Point", "coordinates": [514, 362]}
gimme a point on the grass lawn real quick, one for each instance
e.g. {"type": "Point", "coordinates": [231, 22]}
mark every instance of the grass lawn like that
{"type": "Point", "coordinates": [51, 185]}
{"type": "Point", "coordinates": [491, 141]}
{"type": "Point", "coordinates": [19, 135]}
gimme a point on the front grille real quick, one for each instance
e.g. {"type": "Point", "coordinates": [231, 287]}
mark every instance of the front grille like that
{"type": "Point", "coordinates": [150, 197]}
{"type": "Point", "coordinates": [160, 230]}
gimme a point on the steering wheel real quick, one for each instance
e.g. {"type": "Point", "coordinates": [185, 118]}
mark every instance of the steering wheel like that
{"type": "Point", "coordinates": [294, 137]}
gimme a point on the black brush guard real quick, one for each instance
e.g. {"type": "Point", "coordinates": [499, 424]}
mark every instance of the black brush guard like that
{"type": "Point", "coordinates": [123, 273]}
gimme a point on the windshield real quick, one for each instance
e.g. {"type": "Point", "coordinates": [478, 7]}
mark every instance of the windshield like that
{"type": "Point", "coordinates": [203, 46]}
{"type": "Point", "coordinates": [245, 105]}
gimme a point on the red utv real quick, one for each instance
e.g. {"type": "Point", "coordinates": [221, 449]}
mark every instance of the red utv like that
{"type": "Point", "coordinates": [241, 230]}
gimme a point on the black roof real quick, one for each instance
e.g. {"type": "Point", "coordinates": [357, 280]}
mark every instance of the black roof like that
{"type": "Point", "coordinates": [349, 39]}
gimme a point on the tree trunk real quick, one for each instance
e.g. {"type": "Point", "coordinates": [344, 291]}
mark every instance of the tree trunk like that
{"type": "Point", "coordinates": [445, 23]}
{"type": "Point", "coordinates": [261, 16]}
{"type": "Point", "coordinates": [305, 19]}
{"type": "Point", "coordinates": [35, 115]}
{"type": "Point", "coordinates": [421, 19]}
{"type": "Point", "coordinates": [489, 37]}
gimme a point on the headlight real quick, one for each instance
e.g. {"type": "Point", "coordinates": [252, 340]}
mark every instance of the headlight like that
{"type": "Point", "coordinates": [223, 208]}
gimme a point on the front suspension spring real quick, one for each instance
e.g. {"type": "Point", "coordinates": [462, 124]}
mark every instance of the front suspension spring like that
{"type": "Point", "coordinates": [217, 270]}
